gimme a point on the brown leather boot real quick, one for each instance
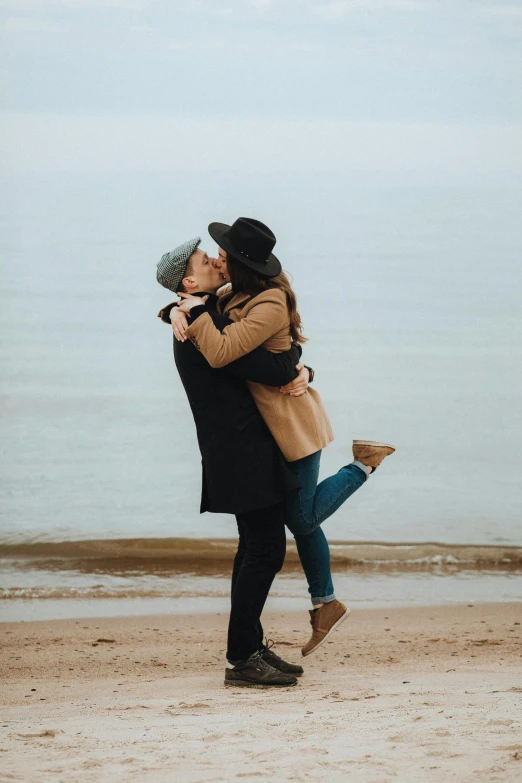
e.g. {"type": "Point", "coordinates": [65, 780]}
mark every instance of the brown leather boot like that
{"type": "Point", "coordinates": [370, 452]}
{"type": "Point", "coordinates": [324, 621]}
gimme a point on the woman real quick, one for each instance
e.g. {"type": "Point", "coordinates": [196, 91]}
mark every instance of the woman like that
{"type": "Point", "coordinates": [263, 307]}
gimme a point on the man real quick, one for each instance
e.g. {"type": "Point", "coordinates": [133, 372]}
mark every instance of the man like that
{"type": "Point", "coordinates": [244, 473]}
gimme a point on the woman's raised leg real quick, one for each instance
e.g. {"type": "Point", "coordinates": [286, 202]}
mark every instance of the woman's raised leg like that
{"type": "Point", "coordinates": [306, 509]}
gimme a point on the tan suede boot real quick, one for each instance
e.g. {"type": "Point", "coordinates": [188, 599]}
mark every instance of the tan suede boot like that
{"type": "Point", "coordinates": [370, 452]}
{"type": "Point", "coordinates": [324, 620]}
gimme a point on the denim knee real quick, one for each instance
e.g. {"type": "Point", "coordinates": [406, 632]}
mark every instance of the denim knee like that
{"type": "Point", "coordinates": [299, 526]}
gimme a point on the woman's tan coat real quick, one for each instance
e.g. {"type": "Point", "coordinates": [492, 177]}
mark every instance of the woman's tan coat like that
{"type": "Point", "coordinates": [299, 425]}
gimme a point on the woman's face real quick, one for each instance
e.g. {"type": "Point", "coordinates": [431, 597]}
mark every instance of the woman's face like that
{"type": "Point", "coordinates": [222, 258]}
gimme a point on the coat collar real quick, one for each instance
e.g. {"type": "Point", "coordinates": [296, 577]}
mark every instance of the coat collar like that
{"type": "Point", "coordinates": [232, 301]}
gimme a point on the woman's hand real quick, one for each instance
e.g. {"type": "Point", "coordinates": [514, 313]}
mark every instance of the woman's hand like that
{"type": "Point", "coordinates": [179, 323]}
{"type": "Point", "coordinates": [190, 301]}
{"type": "Point", "coordinates": [299, 385]}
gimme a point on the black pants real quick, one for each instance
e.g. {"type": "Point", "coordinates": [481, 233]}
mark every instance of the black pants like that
{"type": "Point", "coordinates": [260, 555]}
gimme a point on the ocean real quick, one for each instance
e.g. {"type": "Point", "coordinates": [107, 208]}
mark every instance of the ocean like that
{"type": "Point", "coordinates": [410, 298]}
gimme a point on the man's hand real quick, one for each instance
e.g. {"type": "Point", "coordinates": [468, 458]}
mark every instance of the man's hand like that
{"type": "Point", "coordinates": [179, 323]}
{"type": "Point", "coordinates": [299, 385]}
{"type": "Point", "coordinates": [190, 301]}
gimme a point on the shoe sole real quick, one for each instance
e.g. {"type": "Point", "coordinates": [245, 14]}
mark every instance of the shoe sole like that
{"type": "Point", "coordinates": [373, 443]}
{"type": "Point", "coordinates": [262, 686]}
{"type": "Point", "coordinates": [332, 629]}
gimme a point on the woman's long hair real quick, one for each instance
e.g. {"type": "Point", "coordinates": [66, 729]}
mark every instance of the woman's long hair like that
{"type": "Point", "coordinates": [245, 280]}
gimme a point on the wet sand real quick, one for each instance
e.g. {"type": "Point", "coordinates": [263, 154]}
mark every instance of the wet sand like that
{"type": "Point", "coordinates": [431, 694]}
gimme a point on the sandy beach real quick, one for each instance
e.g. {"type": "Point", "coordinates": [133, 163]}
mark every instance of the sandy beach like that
{"type": "Point", "coordinates": [405, 694]}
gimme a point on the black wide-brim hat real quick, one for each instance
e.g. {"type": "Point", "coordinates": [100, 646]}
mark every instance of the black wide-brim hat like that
{"type": "Point", "coordinates": [250, 242]}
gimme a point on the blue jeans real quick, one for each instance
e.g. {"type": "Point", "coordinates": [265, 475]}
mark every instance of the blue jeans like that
{"type": "Point", "coordinates": [306, 510]}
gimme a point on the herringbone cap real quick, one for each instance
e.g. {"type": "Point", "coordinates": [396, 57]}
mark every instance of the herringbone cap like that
{"type": "Point", "coordinates": [172, 266]}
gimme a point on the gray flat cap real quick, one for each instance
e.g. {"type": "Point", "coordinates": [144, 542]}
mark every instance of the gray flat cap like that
{"type": "Point", "coordinates": [171, 267]}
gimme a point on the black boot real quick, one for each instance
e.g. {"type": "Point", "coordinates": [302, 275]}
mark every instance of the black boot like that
{"type": "Point", "coordinates": [273, 660]}
{"type": "Point", "coordinates": [254, 672]}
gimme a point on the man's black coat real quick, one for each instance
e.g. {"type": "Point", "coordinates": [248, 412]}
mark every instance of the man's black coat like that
{"type": "Point", "coordinates": [243, 468]}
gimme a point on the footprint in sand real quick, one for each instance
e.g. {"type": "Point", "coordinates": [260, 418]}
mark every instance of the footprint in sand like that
{"type": "Point", "coordinates": [46, 733]}
{"type": "Point", "coordinates": [197, 706]}
{"type": "Point", "coordinates": [91, 763]}
{"type": "Point", "coordinates": [179, 709]}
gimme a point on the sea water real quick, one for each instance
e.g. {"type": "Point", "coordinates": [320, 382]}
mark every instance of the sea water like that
{"type": "Point", "coordinates": [411, 300]}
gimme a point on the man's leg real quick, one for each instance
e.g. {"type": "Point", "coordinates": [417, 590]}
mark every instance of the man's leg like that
{"type": "Point", "coordinates": [265, 546]}
{"type": "Point", "coordinates": [238, 561]}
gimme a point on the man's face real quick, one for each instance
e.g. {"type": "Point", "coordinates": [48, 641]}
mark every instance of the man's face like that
{"type": "Point", "coordinates": [206, 272]}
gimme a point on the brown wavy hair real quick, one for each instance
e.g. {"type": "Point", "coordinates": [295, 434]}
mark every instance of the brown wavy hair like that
{"type": "Point", "coordinates": [245, 280]}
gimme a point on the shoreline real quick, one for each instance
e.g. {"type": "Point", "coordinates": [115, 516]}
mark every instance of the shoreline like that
{"type": "Point", "coordinates": [418, 693]}
{"type": "Point", "coordinates": [208, 553]}
{"type": "Point", "coordinates": [46, 595]}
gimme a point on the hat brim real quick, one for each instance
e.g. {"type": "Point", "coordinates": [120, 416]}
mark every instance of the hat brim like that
{"type": "Point", "coordinates": [270, 269]}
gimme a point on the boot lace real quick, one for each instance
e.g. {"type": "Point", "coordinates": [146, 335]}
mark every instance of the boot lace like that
{"type": "Point", "coordinates": [256, 660]}
{"type": "Point", "coordinates": [314, 619]}
{"type": "Point", "coordinates": [269, 643]}
{"type": "Point", "coordinates": [263, 666]}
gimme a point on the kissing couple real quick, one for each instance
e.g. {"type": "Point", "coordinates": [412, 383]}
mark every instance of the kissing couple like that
{"type": "Point", "coordinates": [261, 428]}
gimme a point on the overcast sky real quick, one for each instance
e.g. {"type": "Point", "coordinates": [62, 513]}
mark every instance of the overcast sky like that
{"type": "Point", "coordinates": [389, 87]}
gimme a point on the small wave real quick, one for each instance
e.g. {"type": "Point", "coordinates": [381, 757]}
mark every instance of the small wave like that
{"type": "Point", "coordinates": [212, 555]}
{"type": "Point", "coordinates": [58, 593]}
{"type": "Point", "coordinates": [140, 548]}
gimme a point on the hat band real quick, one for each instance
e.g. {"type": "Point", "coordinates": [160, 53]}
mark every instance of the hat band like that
{"type": "Point", "coordinates": [252, 257]}
{"type": "Point", "coordinates": [256, 251]}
